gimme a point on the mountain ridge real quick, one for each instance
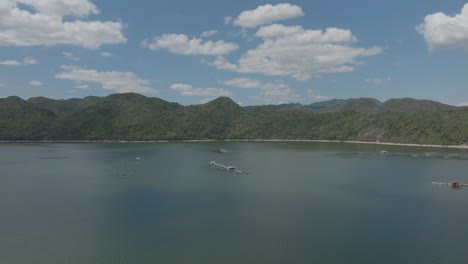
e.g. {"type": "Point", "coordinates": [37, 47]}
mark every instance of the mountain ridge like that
{"type": "Point", "coordinates": [134, 117]}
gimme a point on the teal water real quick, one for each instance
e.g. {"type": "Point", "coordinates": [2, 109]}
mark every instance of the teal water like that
{"type": "Point", "coordinates": [295, 203]}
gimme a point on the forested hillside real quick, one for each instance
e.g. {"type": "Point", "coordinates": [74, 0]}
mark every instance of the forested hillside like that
{"type": "Point", "coordinates": [135, 117]}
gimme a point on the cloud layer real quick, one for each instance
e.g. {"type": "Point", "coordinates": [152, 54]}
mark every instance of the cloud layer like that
{"type": "Point", "coordinates": [443, 32]}
{"type": "Point", "coordinates": [120, 82]}
{"type": "Point", "coordinates": [25, 61]}
{"type": "Point", "coordinates": [299, 53]}
{"type": "Point", "coordinates": [35, 83]}
{"type": "Point", "coordinates": [182, 44]}
{"type": "Point", "coordinates": [189, 90]}
{"type": "Point", "coordinates": [267, 14]}
{"type": "Point", "coordinates": [47, 26]}
{"type": "Point", "coordinates": [270, 93]}
{"type": "Point", "coordinates": [70, 56]}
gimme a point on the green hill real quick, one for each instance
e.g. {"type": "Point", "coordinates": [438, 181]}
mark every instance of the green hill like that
{"type": "Point", "coordinates": [63, 107]}
{"type": "Point", "coordinates": [118, 117]}
{"type": "Point", "coordinates": [134, 117]}
{"type": "Point", "coordinates": [20, 120]}
{"type": "Point", "coordinates": [409, 105]}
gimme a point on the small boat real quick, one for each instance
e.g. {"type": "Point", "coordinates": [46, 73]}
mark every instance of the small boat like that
{"type": "Point", "coordinates": [455, 184]}
{"type": "Point", "coordinates": [383, 152]}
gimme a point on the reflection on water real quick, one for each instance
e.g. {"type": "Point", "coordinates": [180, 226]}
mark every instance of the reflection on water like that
{"type": "Point", "coordinates": [421, 155]}
{"type": "Point", "coordinates": [298, 203]}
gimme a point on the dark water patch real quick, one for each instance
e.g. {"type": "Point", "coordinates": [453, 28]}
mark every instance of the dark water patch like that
{"type": "Point", "coordinates": [404, 155]}
{"type": "Point", "coordinates": [54, 158]}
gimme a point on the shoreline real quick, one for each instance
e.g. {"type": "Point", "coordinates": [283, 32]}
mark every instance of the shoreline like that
{"type": "Point", "coordinates": [231, 140]}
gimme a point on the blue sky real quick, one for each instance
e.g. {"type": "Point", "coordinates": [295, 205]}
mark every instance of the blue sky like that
{"type": "Point", "coordinates": [256, 52]}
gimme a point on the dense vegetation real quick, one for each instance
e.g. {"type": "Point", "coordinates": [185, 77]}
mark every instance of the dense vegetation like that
{"type": "Point", "coordinates": [136, 117]}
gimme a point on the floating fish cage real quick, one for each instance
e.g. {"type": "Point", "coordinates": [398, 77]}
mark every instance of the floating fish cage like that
{"type": "Point", "coordinates": [220, 166]}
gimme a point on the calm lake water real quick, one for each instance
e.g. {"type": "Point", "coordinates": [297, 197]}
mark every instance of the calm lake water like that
{"type": "Point", "coordinates": [294, 203]}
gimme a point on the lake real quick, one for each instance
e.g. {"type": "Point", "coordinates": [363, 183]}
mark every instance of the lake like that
{"type": "Point", "coordinates": [293, 203]}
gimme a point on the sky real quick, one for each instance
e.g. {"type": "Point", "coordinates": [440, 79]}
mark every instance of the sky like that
{"type": "Point", "coordinates": [256, 52]}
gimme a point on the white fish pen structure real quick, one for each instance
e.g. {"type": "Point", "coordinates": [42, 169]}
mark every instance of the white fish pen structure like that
{"type": "Point", "coordinates": [220, 166]}
{"type": "Point", "coordinates": [453, 184]}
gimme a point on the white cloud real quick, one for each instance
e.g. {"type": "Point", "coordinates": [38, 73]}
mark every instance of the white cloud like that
{"type": "Point", "coordinates": [210, 33]}
{"type": "Point", "coordinates": [10, 63]}
{"type": "Point", "coordinates": [47, 26]}
{"type": "Point", "coordinates": [267, 14]}
{"type": "Point", "coordinates": [299, 53]}
{"type": "Point", "coordinates": [377, 81]}
{"type": "Point", "coordinates": [30, 61]}
{"type": "Point", "coordinates": [443, 32]}
{"type": "Point", "coordinates": [62, 8]}
{"type": "Point", "coordinates": [35, 83]}
{"type": "Point", "coordinates": [106, 54]}
{"type": "Point", "coordinates": [82, 86]}
{"type": "Point", "coordinates": [245, 83]}
{"type": "Point", "coordinates": [463, 104]}
{"type": "Point", "coordinates": [315, 97]}
{"type": "Point", "coordinates": [115, 81]}
{"type": "Point", "coordinates": [270, 93]}
{"type": "Point", "coordinates": [26, 61]}
{"type": "Point", "coordinates": [227, 20]}
{"type": "Point", "coordinates": [182, 44]}
{"type": "Point", "coordinates": [70, 56]}
{"type": "Point", "coordinates": [188, 90]}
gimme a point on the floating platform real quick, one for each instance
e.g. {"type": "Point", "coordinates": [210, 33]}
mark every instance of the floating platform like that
{"type": "Point", "coordinates": [452, 184]}
{"type": "Point", "coordinates": [220, 166]}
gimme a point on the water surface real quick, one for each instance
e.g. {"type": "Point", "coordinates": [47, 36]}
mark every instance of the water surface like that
{"type": "Point", "coordinates": [294, 203]}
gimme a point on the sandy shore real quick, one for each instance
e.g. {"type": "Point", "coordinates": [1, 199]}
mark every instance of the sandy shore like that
{"type": "Point", "coordinates": [242, 140]}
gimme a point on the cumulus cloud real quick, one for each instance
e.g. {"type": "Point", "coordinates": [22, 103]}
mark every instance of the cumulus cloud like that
{"type": "Point", "coordinates": [106, 54]}
{"type": "Point", "coordinates": [115, 81]}
{"type": "Point", "coordinates": [26, 61]}
{"type": "Point", "coordinates": [210, 33]}
{"type": "Point", "coordinates": [245, 83]}
{"type": "Point", "coordinates": [315, 97]}
{"type": "Point", "coordinates": [62, 8]}
{"type": "Point", "coordinates": [82, 86]}
{"type": "Point", "coordinates": [30, 61]}
{"type": "Point", "coordinates": [55, 22]}
{"type": "Point", "coordinates": [269, 92]}
{"type": "Point", "coordinates": [35, 83]}
{"type": "Point", "coordinates": [189, 90]}
{"type": "Point", "coordinates": [70, 56]}
{"type": "Point", "coordinates": [442, 31]}
{"type": "Point", "coordinates": [182, 44]}
{"type": "Point", "coordinates": [267, 14]}
{"type": "Point", "coordinates": [299, 53]}
{"type": "Point", "coordinates": [10, 63]}
{"type": "Point", "coordinates": [227, 20]}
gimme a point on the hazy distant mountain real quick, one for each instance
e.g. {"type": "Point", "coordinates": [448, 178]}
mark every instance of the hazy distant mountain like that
{"type": "Point", "coordinates": [136, 117]}
{"type": "Point", "coordinates": [413, 105]}
{"type": "Point", "coordinates": [364, 105]}
{"type": "Point", "coordinates": [64, 106]}
{"type": "Point", "coordinates": [281, 107]}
